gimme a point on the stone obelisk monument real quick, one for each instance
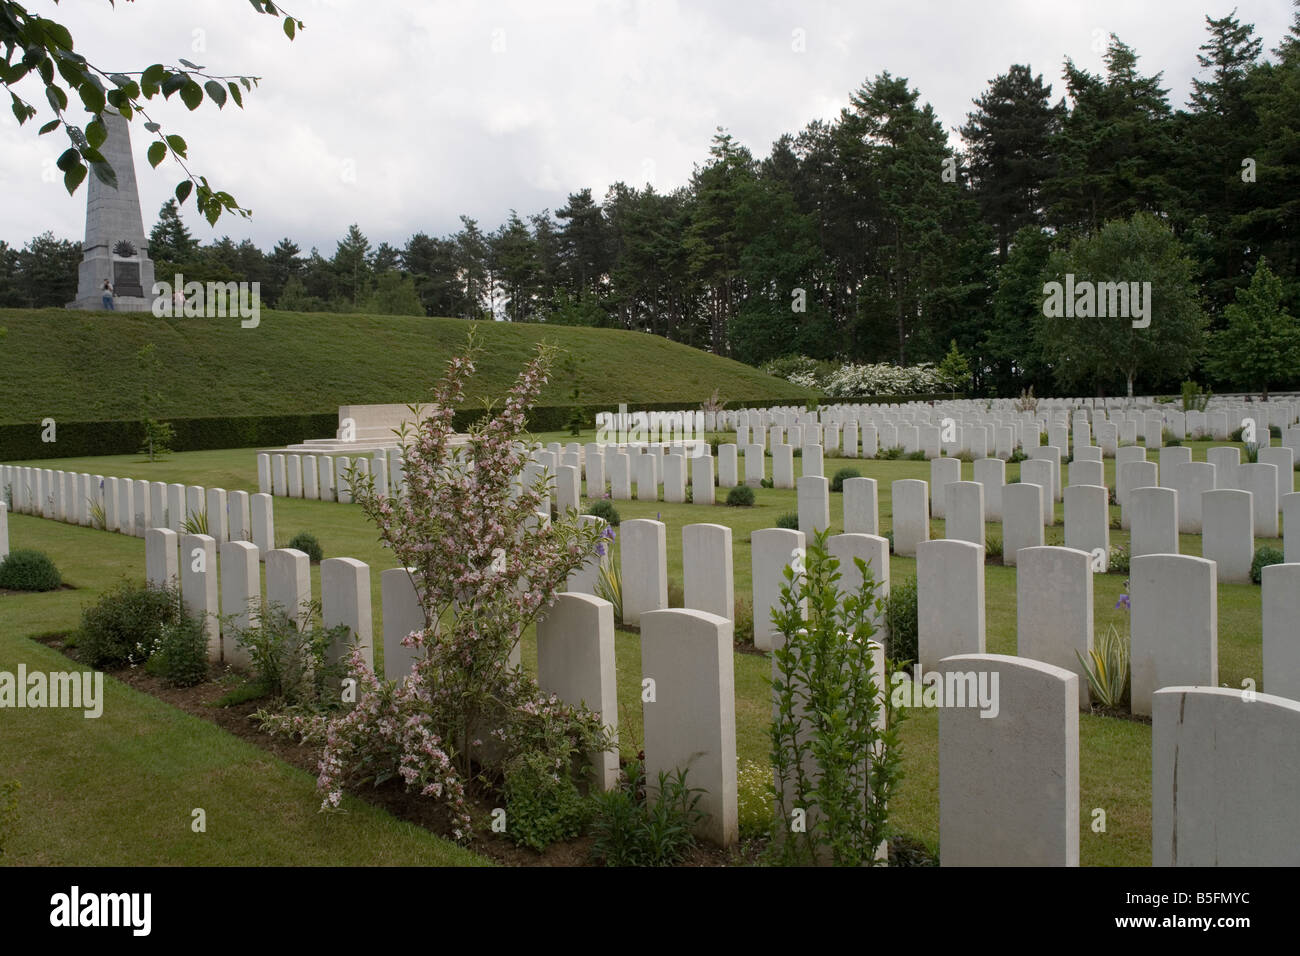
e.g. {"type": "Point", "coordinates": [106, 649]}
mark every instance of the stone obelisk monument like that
{"type": "Point", "coordinates": [116, 248]}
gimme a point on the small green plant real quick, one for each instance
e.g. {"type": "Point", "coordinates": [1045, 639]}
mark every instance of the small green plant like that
{"type": "Point", "coordinates": [965, 456]}
{"type": "Point", "coordinates": [196, 522]}
{"type": "Point", "coordinates": [1107, 668]}
{"type": "Point", "coordinates": [604, 509]}
{"type": "Point", "coordinates": [1119, 559]}
{"type": "Point", "coordinates": [837, 482]}
{"type": "Point", "coordinates": [630, 827]}
{"type": "Point", "coordinates": [288, 654]}
{"type": "Point", "coordinates": [789, 519]}
{"type": "Point", "coordinates": [901, 614]}
{"type": "Point", "coordinates": [1169, 439]}
{"type": "Point", "coordinates": [609, 586]}
{"type": "Point", "coordinates": [180, 656]}
{"type": "Point", "coordinates": [798, 452]}
{"type": "Point", "coordinates": [754, 809]}
{"type": "Point", "coordinates": [158, 438]}
{"type": "Point", "coordinates": [1274, 431]}
{"type": "Point", "coordinates": [835, 747]}
{"type": "Point", "coordinates": [741, 496]}
{"type": "Point", "coordinates": [98, 517]}
{"type": "Point", "coordinates": [891, 454]}
{"type": "Point", "coordinates": [1195, 400]}
{"type": "Point", "coordinates": [542, 806]}
{"type": "Point", "coordinates": [993, 546]}
{"type": "Point", "coordinates": [915, 456]}
{"type": "Point", "coordinates": [306, 543]}
{"type": "Point", "coordinates": [1264, 556]}
{"type": "Point", "coordinates": [124, 626]}
{"type": "Point", "coordinates": [764, 483]}
{"type": "Point", "coordinates": [29, 570]}
{"type": "Point", "coordinates": [1252, 452]}
{"type": "Point", "coordinates": [1017, 456]}
{"type": "Point", "coordinates": [742, 618]}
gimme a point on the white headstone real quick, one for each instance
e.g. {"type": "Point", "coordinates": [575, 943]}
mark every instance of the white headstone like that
{"type": "Point", "coordinates": [1174, 616]}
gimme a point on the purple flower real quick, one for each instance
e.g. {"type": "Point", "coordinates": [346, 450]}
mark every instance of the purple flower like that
{"type": "Point", "coordinates": [608, 533]}
{"type": "Point", "coordinates": [600, 548]}
{"type": "Point", "coordinates": [1124, 603]}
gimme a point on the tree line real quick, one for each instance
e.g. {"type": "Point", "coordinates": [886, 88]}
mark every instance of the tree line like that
{"type": "Point", "coordinates": [873, 238]}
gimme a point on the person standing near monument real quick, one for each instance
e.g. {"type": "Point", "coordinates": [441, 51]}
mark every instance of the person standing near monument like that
{"type": "Point", "coordinates": [107, 294]}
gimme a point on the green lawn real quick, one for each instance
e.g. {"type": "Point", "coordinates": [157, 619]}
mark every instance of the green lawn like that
{"type": "Point", "coordinates": [1114, 755]}
{"type": "Point", "coordinates": [297, 363]}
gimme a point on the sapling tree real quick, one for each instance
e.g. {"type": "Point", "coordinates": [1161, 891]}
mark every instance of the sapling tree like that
{"type": "Point", "coordinates": [835, 746]}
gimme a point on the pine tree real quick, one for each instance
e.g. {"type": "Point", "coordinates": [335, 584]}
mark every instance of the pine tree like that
{"type": "Point", "coordinates": [1010, 135]}
{"type": "Point", "coordinates": [170, 240]}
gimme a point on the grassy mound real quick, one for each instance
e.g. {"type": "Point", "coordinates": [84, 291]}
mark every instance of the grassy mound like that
{"type": "Point", "coordinates": [298, 363]}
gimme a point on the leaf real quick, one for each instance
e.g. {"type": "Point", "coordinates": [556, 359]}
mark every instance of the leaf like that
{"type": "Point", "coordinates": [157, 153]}
{"type": "Point", "coordinates": [49, 127]}
{"type": "Point", "coordinates": [152, 79]}
{"type": "Point", "coordinates": [72, 177]}
{"type": "Point", "coordinates": [96, 132]}
{"type": "Point", "coordinates": [235, 95]}
{"type": "Point", "coordinates": [183, 189]}
{"type": "Point", "coordinates": [178, 145]}
{"type": "Point", "coordinates": [68, 159]}
{"type": "Point", "coordinates": [58, 99]}
{"type": "Point", "coordinates": [187, 63]}
{"type": "Point", "coordinates": [173, 83]}
{"type": "Point", "coordinates": [92, 97]}
{"type": "Point", "coordinates": [216, 92]}
{"type": "Point", "coordinates": [191, 95]}
{"type": "Point", "coordinates": [105, 174]}
{"type": "Point", "coordinates": [288, 27]}
{"type": "Point", "coordinates": [152, 127]}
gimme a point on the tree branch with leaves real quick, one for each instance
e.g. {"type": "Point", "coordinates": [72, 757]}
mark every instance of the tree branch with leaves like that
{"type": "Point", "coordinates": [38, 47]}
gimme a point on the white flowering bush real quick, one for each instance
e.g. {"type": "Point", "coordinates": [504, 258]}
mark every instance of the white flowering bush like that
{"type": "Point", "coordinates": [853, 380]}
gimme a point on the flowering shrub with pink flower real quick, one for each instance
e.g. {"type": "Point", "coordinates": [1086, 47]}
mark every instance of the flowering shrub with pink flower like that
{"type": "Point", "coordinates": [484, 565]}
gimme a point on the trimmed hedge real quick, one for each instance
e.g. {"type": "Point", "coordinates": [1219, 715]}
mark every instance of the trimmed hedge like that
{"type": "Point", "coordinates": [80, 439]}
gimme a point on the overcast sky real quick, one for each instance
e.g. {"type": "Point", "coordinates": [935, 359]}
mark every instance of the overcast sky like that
{"type": "Point", "coordinates": [400, 115]}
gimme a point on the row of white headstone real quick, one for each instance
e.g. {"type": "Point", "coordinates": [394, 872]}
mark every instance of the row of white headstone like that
{"type": "Point", "coordinates": [1017, 804]}
{"type": "Point", "coordinates": [134, 506]}
{"type": "Point", "coordinates": [952, 431]}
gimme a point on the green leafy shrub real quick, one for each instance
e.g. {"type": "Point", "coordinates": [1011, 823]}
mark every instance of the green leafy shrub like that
{"type": "Point", "coordinates": [901, 614]}
{"type": "Point", "coordinates": [890, 454]}
{"type": "Point", "coordinates": [741, 496]}
{"type": "Point", "coordinates": [289, 659]}
{"type": "Point", "coordinates": [1017, 456]}
{"type": "Point", "coordinates": [308, 545]}
{"type": "Point", "coordinates": [835, 747]}
{"type": "Point", "coordinates": [764, 483]}
{"type": "Point", "coordinates": [993, 546]}
{"type": "Point", "coordinates": [754, 808]}
{"type": "Point", "coordinates": [1120, 559]}
{"type": "Point", "coordinates": [29, 570]}
{"type": "Point", "coordinates": [542, 806]}
{"type": "Point", "coordinates": [630, 828]}
{"type": "Point", "coordinates": [1274, 431]}
{"type": "Point", "coordinates": [916, 456]}
{"type": "Point", "coordinates": [1264, 556]}
{"type": "Point", "coordinates": [837, 482]}
{"type": "Point", "coordinates": [604, 508]}
{"type": "Point", "coordinates": [789, 519]}
{"type": "Point", "coordinates": [180, 656]}
{"type": "Point", "coordinates": [1169, 439]}
{"type": "Point", "coordinates": [125, 624]}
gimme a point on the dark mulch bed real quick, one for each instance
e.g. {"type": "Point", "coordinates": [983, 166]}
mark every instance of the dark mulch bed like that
{"type": "Point", "coordinates": [200, 701]}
